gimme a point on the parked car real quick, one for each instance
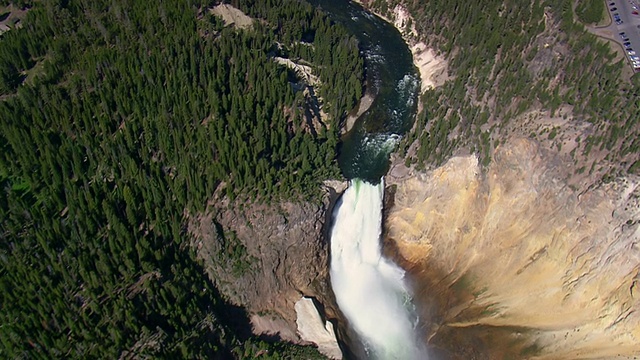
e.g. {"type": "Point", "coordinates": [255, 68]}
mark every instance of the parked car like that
{"type": "Point", "coordinates": [613, 9]}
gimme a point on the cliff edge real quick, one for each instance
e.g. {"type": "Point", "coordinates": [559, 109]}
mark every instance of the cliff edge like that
{"type": "Point", "coordinates": [265, 257]}
{"type": "Point", "coordinates": [512, 261]}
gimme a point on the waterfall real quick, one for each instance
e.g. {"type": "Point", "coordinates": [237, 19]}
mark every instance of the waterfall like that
{"type": "Point", "coordinates": [369, 289]}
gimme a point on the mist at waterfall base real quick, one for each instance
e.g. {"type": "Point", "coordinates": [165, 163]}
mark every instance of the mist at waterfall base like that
{"type": "Point", "coordinates": [369, 289]}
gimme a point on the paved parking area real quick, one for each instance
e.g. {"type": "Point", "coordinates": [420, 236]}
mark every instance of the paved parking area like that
{"type": "Point", "coordinates": [625, 15]}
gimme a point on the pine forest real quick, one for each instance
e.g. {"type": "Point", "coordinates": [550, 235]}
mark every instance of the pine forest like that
{"type": "Point", "coordinates": [119, 118]}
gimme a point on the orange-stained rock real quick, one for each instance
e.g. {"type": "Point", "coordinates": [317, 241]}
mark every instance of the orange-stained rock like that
{"type": "Point", "coordinates": [513, 261]}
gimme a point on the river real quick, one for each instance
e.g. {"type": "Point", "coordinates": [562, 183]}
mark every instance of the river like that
{"type": "Point", "coordinates": [370, 289]}
{"type": "Point", "coordinates": [391, 77]}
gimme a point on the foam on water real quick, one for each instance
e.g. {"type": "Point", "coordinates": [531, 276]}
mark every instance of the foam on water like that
{"type": "Point", "coordinates": [381, 143]}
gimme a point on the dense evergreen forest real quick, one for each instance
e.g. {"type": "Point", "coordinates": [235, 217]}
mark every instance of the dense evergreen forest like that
{"type": "Point", "coordinates": [507, 57]}
{"type": "Point", "coordinates": [591, 11]}
{"type": "Point", "coordinates": [118, 118]}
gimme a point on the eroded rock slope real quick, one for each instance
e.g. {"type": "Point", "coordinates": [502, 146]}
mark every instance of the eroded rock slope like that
{"type": "Point", "coordinates": [265, 257]}
{"type": "Point", "coordinates": [513, 261]}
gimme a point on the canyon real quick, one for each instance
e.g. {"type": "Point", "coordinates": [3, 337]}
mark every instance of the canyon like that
{"type": "Point", "coordinates": [514, 259]}
{"type": "Point", "coordinates": [521, 258]}
{"type": "Point", "coordinates": [525, 257]}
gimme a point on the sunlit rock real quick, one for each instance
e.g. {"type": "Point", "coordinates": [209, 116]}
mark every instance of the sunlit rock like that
{"type": "Point", "coordinates": [516, 260]}
{"type": "Point", "coordinates": [311, 328]}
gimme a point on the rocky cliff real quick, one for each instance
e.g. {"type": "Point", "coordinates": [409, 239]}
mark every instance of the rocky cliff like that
{"type": "Point", "coordinates": [524, 258]}
{"type": "Point", "coordinates": [529, 255]}
{"type": "Point", "coordinates": [265, 257]}
{"type": "Point", "coordinates": [512, 262]}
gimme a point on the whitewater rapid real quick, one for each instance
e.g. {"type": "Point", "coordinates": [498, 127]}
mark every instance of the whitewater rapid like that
{"type": "Point", "coordinates": [370, 290]}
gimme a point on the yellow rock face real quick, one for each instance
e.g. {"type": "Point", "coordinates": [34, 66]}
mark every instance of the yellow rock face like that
{"type": "Point", "coordinates": [514, 253]}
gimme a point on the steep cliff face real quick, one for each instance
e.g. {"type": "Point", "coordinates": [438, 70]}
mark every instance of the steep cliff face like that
{"type": "Point", "coordinates": [513, 262]}
{"type": "Point", "coordinates": [264, 257]}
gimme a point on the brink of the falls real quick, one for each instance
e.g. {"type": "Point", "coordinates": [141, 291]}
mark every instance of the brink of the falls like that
{"type": "Point", "coordinates": [370, 290]}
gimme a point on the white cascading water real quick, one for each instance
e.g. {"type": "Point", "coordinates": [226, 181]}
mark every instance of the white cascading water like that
{"type": "Point", "coordinates": [369, 289]}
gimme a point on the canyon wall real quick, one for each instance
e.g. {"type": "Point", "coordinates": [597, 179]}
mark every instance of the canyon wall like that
{"type": "Point", "coordinates": [513, 262]}
{"type": "Point", "coordinates": [265, 257]}
{"type": "Point", "coordinates": [528, 257]}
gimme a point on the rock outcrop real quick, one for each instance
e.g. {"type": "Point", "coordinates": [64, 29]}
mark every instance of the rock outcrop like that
{"type": "Point", "coordinates": [312, 328]}
{"type": "Point", "coordinates": [232, 16]}
{"type": "Point", "coordinates": [264, 257]}
{"type": "Point", "coordinates": [512, 262]}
